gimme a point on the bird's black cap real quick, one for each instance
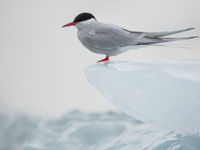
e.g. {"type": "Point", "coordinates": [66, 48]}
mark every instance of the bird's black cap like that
{"type": "Point", "coordinates": [83, 17]}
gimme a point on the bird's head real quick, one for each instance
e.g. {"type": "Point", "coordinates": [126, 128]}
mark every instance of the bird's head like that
{"type": "Point", "coordinates": [82, 20]}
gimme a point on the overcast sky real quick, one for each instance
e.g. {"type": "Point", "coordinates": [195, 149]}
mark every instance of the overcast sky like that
{"type": "Point", "coordinates": [42, 65]}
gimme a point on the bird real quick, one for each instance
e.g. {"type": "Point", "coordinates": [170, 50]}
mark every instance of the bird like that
{"type": "Point", "coordinates": [111, 40]}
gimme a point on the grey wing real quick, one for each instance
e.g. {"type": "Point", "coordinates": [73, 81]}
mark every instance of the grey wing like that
{"type": "Point", "coordinates": [165, 33]}
{"type": "Point", "coordinates": [159, 34]}
{"type": "Point", "coordinates": [104, 36]}
{"type": "Point", "coordinates": [147, 38]}
{"type": "Point", "coordinates": [111, 37]}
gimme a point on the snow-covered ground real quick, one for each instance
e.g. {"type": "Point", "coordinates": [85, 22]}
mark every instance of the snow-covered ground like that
{"type": "Point", "coordinates": [166, 93]}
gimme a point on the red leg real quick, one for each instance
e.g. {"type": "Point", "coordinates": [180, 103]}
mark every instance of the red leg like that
{"type": "Point", "coordinates": [105, 59]}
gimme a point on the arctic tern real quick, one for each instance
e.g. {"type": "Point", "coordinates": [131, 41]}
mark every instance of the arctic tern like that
{"type": "Point", "coordinates": [112, 40]}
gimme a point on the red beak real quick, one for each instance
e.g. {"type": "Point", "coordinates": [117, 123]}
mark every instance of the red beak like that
{"type": "Point", "coordinates": [69, 24]}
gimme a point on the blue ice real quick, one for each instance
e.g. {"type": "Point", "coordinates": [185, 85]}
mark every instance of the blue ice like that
{"type": "Point", "coordinates": [165, 93]}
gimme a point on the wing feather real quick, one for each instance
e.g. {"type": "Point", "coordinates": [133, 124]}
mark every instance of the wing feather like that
{"type": "Point", "coordinates": [107, 36]}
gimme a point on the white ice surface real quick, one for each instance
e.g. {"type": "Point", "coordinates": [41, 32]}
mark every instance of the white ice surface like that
{"type": "Point", "coordinates": [166, 93]}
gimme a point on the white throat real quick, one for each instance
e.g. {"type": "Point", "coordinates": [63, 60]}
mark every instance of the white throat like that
{"type": "Point", "coordinates": [85, 24]}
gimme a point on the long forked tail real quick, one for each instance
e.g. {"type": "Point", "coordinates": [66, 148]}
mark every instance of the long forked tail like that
{"type": "Point", "coordinates": [153, 40]}
{"type": "Point", "coordinates": [165, 33]}
{"type": "Point", "coordinates": [177, 39]}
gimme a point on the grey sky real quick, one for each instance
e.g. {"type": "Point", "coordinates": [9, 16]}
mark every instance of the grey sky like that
{"type": "Point", "coordinates": [41, 64]}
